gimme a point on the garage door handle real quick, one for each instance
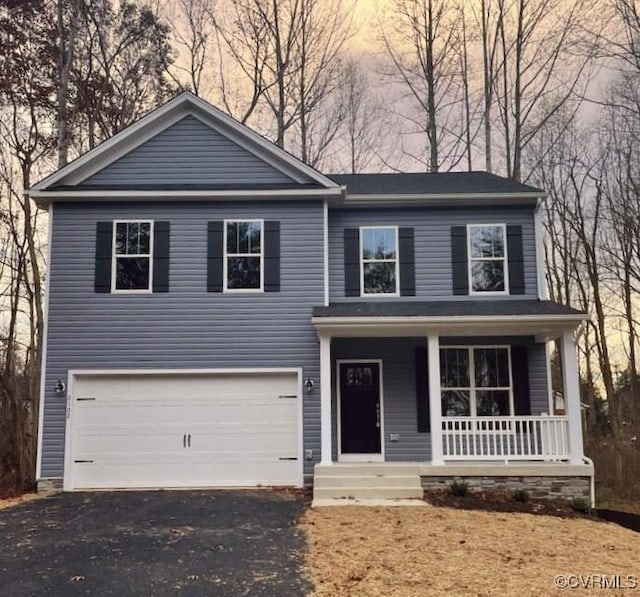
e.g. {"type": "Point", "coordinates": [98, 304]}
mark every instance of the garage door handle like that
{"type": "Point", "coordinates": [189, 440]}
{"type": "Point", "coordinates": [184, 440]}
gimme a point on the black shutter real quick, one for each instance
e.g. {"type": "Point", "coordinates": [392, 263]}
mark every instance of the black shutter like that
{"type": "Point", "coordinates": [459, 265]}
{"type": "Point", "coordinates": [520, 380]}
{"type": "Point", "coordinates": [352, 262]}
{"type": "Point", "coordinates": [516, 259]}
{"type": "Point", "coordinates": [272, 256]}
{"type": "Point", "coordinates": [215, 255]}
{"type": "Point", "coordinates": [161, 233]}
{"type": "Point", "coordinates": [104, 239]}
{"type": "Point", "coordinates": [422, 390]}
{"type": "Point", "coordinates": [407, 262]}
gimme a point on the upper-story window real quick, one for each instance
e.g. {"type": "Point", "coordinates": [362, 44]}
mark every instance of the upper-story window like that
{"type": "Point", "coordinates": [488, 272]}
{"type": "Point", "coordinates": [379, 260]}
{"type": "Point", "coordinates": [132, 256]}
{"type": "Point", "coordinates": [476, 381]}
{"type": "Point", "coordinates": [243, 259]}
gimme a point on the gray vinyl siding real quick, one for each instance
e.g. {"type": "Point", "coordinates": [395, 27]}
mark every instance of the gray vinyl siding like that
{"type": "Point", "coordinates": [538, 386]}
{"type": "Point", "coordinates": [432, 230]}
{"type": "Point", "coordinates": [399, 391]}
{"type": "Point", "coordinates": [187, 327]}
{"type": "Point", "coordinates": [190, 153]}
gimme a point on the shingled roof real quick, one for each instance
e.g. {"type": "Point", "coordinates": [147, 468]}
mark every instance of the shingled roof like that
{"type": "Point", "coordinates": [431, 183]}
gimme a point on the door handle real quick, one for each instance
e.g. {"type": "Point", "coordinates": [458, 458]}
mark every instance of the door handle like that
{"type": "Point", "coordinates": [189, 440]}
{"type": "Point", "coordinates": [184, 440]}
{"type": "Point", "coordinates": [378, 415]}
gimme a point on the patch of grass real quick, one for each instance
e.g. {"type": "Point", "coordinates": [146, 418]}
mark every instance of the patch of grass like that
{"type": "Point", "coordinates": [459, 488]}
{"type": "Point", "coordinates": [520, 495]}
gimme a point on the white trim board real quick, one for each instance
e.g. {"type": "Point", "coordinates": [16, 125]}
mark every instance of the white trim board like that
{"type": "Point", "coordinates": [45, 338]}
{"type": "Point", "coordinates": [72, 374]}
{"type": "Point", "coordinates": [359, 457]}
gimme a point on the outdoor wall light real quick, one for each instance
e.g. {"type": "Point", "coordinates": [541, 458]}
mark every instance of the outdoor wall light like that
{"type": "Point", "coordinates": [308, 385]}
{"type": "Point", "coordinates": [60, 387]}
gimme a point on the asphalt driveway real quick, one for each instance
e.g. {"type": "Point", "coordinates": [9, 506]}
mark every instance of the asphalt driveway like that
{"type": "Point", "coordinates": [154, 543]}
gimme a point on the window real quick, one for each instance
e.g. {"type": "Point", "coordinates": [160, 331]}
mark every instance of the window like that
{"type": "Point", "coordinates": [243, 261]}
{"type": "Point", "coordinates": [132, 247]}
{"type": "Point", "coordinates": [379, 261]}
{"type": "Point", "coordinates": [476, 381]}
{"type": "Point", "coordinates": [487, 258]}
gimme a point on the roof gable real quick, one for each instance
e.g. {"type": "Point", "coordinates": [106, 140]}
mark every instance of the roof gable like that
{"type": "Point", "coordinates": [152, 148]}
{"type": "Point", "coordinates": [192, 154]}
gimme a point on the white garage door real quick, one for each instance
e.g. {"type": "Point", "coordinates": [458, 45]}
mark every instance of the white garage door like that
{"type": "Point", "coordinates": [183, 431]}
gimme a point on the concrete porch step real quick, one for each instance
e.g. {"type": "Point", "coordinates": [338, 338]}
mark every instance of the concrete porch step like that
{"type": "Point", "coordinates": [387, 493]}
{"type": "Point", "coordinates": [322, 502]}
{"type": "Point", "coordinates": [366, 469]}
{"type": "Point", "coordinates": [354, 481]}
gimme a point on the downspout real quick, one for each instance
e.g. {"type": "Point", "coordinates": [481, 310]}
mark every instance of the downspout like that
{"type": "Point", "coordinates": [593, 481]}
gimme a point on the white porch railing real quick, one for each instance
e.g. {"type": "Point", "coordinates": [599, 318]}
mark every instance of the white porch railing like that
{"type": "Point", "coordinates": [505, 438]}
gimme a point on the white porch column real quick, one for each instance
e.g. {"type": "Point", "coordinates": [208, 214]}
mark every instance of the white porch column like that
{"type": "Point", "coordinates": [571, 386]}
{"type": "Point", "coordinates": [325, 399]}
{"type": "Point", "coordinates": [435, 402]}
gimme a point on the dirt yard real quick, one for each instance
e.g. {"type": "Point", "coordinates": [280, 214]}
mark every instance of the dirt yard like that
{"type": "Point", "coordinates": [441, 551]}
{"type": "Point", "coordinates": [7, 502]}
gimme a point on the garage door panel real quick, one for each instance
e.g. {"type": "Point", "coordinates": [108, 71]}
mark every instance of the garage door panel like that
{"type": "Point", "coordinates": [129, 431]}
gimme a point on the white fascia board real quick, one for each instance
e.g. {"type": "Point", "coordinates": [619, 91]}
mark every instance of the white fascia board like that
{"type": "Point", "coordinates": [439, 199]}
{"type": "Point", "coordinates": [541, 327]}
{"type": "Point", "coordinates": [163, 117]}
{"type": "Point", "coordinates": [43, 198]}
{"type": "Point", "coordinates": [108, 147]}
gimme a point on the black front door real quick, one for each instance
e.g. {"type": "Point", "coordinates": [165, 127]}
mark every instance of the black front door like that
{"type": "Point", "coordinates": [360, 415]}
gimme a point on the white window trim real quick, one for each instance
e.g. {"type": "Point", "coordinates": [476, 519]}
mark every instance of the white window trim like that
{"type": "Point", "coordinates": [396, 261]}
{"type": "Point", "coordinates": [225, 286]}
{"type": "Point", "coordinates": [504, 259]}
{"type": "Point", "coordinates": [473, 388]}
{"type": "Point", "coordinates": [114, 258]}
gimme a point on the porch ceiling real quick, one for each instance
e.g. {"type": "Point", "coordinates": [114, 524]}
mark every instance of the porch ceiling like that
{"type": "Point", "coordinates": [543, 319]}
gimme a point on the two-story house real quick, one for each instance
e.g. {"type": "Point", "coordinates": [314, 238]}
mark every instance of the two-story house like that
{"type": "Point", "coordinates": [219, 313]}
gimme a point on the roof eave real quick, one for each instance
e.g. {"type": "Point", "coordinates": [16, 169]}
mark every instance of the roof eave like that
{"type": "Point", "coordinates": [543, 327]}
{"type": "Point", "coordinates": [44, 197]}
{"type": "Point", "coordinates": [397, 199]}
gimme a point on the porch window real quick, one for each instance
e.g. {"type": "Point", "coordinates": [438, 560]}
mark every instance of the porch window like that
{"type": "Point", "coordinates": [379, 261]}
{"type": "Point", "coordinates": [476, 381]}
{"type": "Point", "coordinates": [487, 258]}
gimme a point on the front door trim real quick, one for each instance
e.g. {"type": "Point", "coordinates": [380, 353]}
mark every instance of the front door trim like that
{"type": "Point", "coordinates": [360, 457]}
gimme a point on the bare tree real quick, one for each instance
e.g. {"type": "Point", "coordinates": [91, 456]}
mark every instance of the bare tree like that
{"type": "Point", "coordinates": [364, 132]}
{"type": "Point", "coordinates": [539, 71]}
{"type": "Point", "coordinates": [288, 53]}
{"type": "Point", "coordinates": [194, 37]}
{"type": "Point", "coordinates": [68, 22]}
{"type": "Point", "coordinates": [120, 72]}
{"type": "Point", "coordinates": [421, 38]}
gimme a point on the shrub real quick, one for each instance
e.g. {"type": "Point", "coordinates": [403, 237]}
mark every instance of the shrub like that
{"type": "Point", "coordinates": [459, 488]}
{"type": "Point", "coordinates": [581, 504]}
{"type": "Point", "coordinates": [520, 495]}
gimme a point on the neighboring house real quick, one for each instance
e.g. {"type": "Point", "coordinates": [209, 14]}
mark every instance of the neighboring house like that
{"type": "Point", "coordinates": [221, 314]}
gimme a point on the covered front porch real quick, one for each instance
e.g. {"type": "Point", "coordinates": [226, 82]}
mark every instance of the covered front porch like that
{"type": "Point", "coordinates": [441, 385]}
